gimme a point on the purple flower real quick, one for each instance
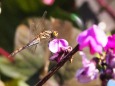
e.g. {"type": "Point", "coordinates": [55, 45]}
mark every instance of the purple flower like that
{"type": "Point", "coordinates": [110, 58]}
{"type": "Point", "coordinates": [56, 45]}
{"type": "Point", "coordinates": [60, 48]}
{"type": "Point", "coordinates": [88, 72]}
{"type": "Point", "coordinates": [110, 43]}
{"type": "Point", "coordinates": [94, 38]}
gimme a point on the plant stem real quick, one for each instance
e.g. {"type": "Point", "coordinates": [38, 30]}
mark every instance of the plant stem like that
{"type": "Point", "coordinates": [58, 66]}
{"type": "Point", "coordinates": [108, 8]}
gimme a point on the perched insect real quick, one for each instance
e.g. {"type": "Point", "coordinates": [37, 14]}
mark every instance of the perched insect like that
{"type": "Point", "coordinates": [46, 34]}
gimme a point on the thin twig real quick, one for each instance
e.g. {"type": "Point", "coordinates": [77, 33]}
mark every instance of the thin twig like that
{"type": "Point", "coordinates": [108, 8]}
{"type": "Point", "coordinates": [58, 66]}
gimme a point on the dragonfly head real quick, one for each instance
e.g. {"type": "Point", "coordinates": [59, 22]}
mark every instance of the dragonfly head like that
{"type": "Point", "coordinates": [54, 34]}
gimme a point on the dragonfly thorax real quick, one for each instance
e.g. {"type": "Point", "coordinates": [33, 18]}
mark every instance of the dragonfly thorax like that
{"type": "Point", "coordinates": [48, 34]}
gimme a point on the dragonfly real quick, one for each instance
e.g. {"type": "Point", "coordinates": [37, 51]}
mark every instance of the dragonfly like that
{"type": "Point", "coordinates": [46, 34]}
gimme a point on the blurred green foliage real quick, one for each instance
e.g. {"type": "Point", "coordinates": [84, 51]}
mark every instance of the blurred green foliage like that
{"type": "Point", "coordinates": [17, 73]}
{"type": "Point", "coordinates": [17, 82]}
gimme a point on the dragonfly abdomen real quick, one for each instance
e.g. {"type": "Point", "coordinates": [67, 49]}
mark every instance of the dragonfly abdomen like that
{"type": "Point", "coordinates": [33, 42]}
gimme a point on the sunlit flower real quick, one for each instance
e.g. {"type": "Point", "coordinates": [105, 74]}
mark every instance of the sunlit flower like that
{"type": "Point", "coordinates": [110, 43]}
{"type": "Point", "coordinates": [60, 48]}
{"type": "Point", "coordinates": [48, 2]}
{"type": "Point", "coordinates": [94, 38]}
{"type": "Point", "coordinates": [88, 72]}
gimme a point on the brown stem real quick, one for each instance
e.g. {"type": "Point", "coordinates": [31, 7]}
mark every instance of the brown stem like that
{"type": "Point", "coordinates": [58, 66]}
{"type": "Point", "coordinates": [104, 83]}
{"type": "Point", "coordinates": [109, 9]}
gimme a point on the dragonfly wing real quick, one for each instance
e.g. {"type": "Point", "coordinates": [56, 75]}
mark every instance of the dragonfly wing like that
{"type": "Point", "coordinates": [33, 26]}
{"type": "Point", "coordinates": [34, 48]}
{"type": "Point", "coordinates": [37, 24]}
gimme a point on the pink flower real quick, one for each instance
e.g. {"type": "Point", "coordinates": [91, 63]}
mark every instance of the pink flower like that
{"type": "Point", "coordinates": [110, 43]}
{"type": "Point", "coordinates": [94, 38]}
{"type": "Point", "coordinates": [60, 48]}
{"type": "Point", "coordinates": [48, 2]}
{"type": "Point", "coordinates": [88, 72]}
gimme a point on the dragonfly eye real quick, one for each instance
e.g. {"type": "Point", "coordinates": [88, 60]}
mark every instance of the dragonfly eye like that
{"type": "Point", "coordinates": [55, 33]}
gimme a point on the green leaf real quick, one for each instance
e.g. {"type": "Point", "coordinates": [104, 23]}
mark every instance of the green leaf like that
{"type": "Point", "coordinates": [9, 69]}
{"type": "Point", "coordinates": [16, 82]}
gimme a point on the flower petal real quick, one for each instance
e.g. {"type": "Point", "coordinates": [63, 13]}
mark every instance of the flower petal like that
{"type": "Point", "coordinates": [57, 44]}
{"type": "Point", "coordinates": [84, 59]}
{"type": "Point", "coordinates": [99, 35]}
{"type": "Point", "coordinates": [88, 72]}
{"type": "Point", "coordinates": [94, 38]}
{"type": "Point", "coordinates": [110, 43]}
{"type": "Point", "coordinates": [83, 76]}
